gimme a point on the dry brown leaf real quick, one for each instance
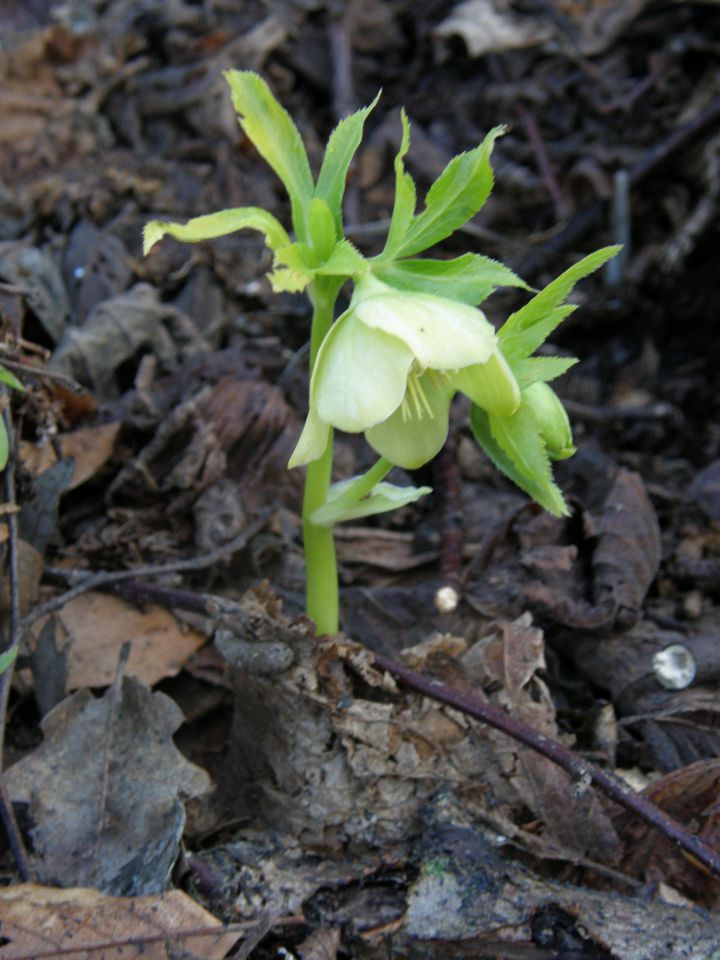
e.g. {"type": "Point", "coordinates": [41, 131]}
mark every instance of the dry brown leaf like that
{"type": "Point", "coordinates": [689, 795]}
{"type": "Point", "coordinates": [36, 920]}
{"type": "Point", "coordinates": [96, 625]}
{"type": "Point", "coordinates": [322, 944]}
{"type": "Point", "coordinates": [576, 821]}
{"type": "Point", "coordinates": [627, 556]}
{"type": "Point", "coordinates": [104, 790]}
{"type": "Point", "coordinates": [384, 549]}
{"type": "Point", "coordinates": [90, 448]}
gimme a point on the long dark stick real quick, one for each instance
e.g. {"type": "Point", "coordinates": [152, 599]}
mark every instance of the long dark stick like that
{"type": "Point", "coordinates": [12, 643]}
{"type": "Point", "coordinates": [579, 769]}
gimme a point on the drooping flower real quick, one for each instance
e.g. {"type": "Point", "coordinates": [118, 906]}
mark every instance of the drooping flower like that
{"type": "Point", "coordinates": [390, 366]}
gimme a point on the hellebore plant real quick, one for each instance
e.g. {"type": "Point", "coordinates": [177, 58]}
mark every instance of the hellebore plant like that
{"type": "Point", "coordinates": [412, 336]}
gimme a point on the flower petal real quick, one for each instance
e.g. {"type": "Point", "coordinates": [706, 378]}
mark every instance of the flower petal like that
{"type": "Point", "coordinates": [312, 443]}
{"type": "Point", "coordinates": [411, 442]}
{"type": "Point", "coordinates": [360, 375]}
{"type": "Point", "coordinates": [442, 334]}
{"type": "Point", "coordinates": [490, 385]}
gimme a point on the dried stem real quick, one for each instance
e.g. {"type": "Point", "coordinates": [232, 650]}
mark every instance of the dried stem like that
{"type": "Point", "coordinates": [11, 642]}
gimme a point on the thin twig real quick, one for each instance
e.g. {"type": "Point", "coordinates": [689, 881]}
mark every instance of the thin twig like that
{"type": "Point", "coordinates": [581, 770]}
{"type": "Point", "coordinates": [109, 578]}
{"type": "Point", "coordinates": [12, 642]}
{"type": "Point", "coordinates": [532, 132]}
{"type": "Point", "coordinates": [140, 939]}
{"type": "Point", "coordinates": [537, 144]}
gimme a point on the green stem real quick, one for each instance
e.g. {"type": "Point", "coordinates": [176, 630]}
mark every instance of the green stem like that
{"type": "Point", "coordinates": [363, 485]}
{"type": "Point", "coordinates": [321, 597]}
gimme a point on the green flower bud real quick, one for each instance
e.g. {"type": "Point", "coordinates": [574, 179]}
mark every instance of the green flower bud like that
{"type": "Point", "coordinates": [552, 420]}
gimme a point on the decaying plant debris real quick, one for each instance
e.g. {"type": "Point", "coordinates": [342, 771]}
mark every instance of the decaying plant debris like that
{"type": "Point", "coordinates": [322, 804]}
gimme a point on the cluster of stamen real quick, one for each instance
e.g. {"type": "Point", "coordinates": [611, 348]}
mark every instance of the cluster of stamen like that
{"type": "Point", "coordinates": [415, 405]}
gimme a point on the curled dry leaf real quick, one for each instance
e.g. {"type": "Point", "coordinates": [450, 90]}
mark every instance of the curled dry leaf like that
{"type": "Point", "coordinates": [36, 268]}
{"type": "Point", "coordinates": [117, 329]}
{"type": "Point", "coordinates": [322, 944]}
{"type": "Point", "coordinates": [627, 555]}
{"type": "Point", "coordinates": [488, 27]}
{"type": "Point", "coordinates": [36, 920]}
{"type": "Point", "coordinates": [538, 562]}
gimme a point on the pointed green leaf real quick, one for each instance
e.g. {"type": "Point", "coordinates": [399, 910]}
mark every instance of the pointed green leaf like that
{"type": "Point", "coordinates": [383, 498]}
{"type": "Point", "coordinates": [527, 328]}
{"type": "Point", "coordinates": [322, 228]}
{"type": "Point", "coordinates": [7, 659]}
{"type": "Point", "coordinates": [345, 261]}
{"type": "Point", "coordinates": [219, 224]}
{"type": "Point", "coordinates": [518, 341]}
{"type": "Point", "coordinates": [405, 196]}
{"type": "Point", "coordinates": [343, 142]}
{"type": "Point", "coordinates": [469, 279]}
{"type": "Point", "coordinates": [4, 449]}
{"type": "Point", "coordinates": [541, 369]}
{"type": "Point", "coordinates": [456, 196]}
{"type": "Point", "coordinates": [515, 447]}
{"type": "Point", "coordinates": [10, 379]}
{"type": "Point", "coordinates": [276, 139]}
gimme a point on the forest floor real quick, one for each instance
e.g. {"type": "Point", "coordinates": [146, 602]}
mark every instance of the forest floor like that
{"type": "Point", "coordinates": [228, 782]}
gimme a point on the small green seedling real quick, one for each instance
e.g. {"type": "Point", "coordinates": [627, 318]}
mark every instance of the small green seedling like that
{"type": "Point", "coordinates": [7, 659]}
{"type": "Point", "coordinates": [412, 336]}
{"type": "Point", "coordinates": [10, 380]}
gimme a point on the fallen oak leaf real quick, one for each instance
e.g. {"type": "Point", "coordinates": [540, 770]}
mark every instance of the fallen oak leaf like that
{"type": "Point", "coordinates": [122, 834]}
